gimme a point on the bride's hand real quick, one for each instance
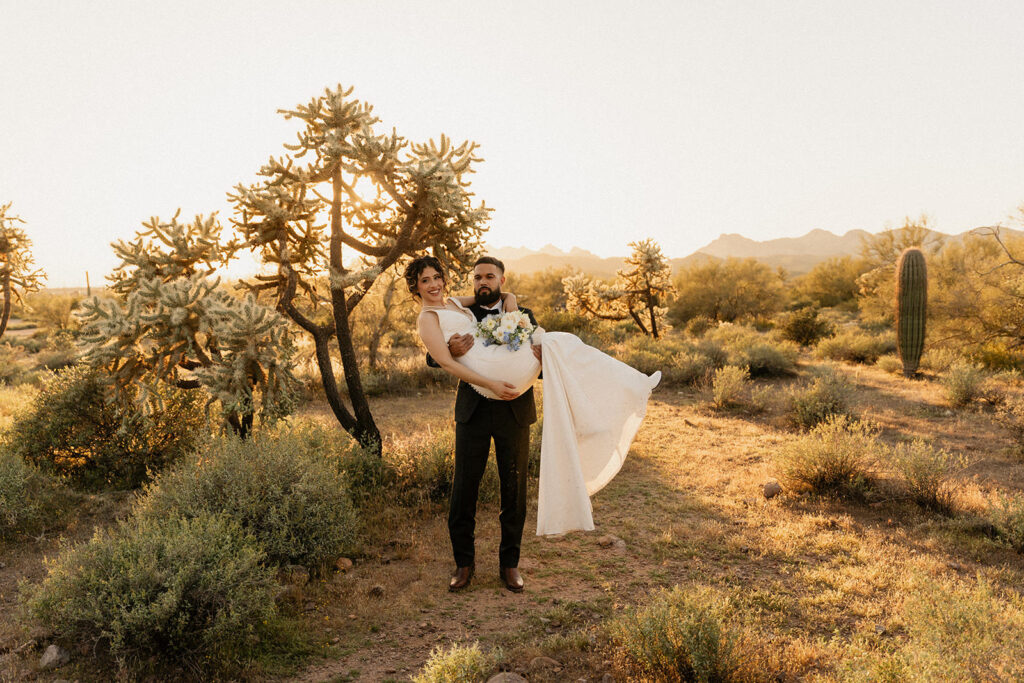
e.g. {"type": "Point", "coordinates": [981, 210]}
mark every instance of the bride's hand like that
{"type": "Point", "coordinates": [509, 302]}
{"type": "Point", "coordinates": [503, 390]}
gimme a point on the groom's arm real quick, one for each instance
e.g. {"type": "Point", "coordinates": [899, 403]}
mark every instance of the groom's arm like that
{"type": "Point", "coordinates": [457, 346]}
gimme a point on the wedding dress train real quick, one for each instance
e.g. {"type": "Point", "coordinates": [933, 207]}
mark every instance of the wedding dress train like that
{"type": "Point", "coordinates": [593, 407]}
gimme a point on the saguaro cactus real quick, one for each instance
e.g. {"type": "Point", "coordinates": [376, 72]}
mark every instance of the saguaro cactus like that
{"type": "Point", "coordinates": [911, 304]}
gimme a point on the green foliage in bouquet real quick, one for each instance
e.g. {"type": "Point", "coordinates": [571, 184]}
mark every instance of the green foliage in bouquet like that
{"type": "Point", "coordinates": [169, 324]}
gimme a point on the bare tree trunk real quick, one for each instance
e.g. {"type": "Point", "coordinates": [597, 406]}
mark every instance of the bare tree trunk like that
{"type": "Point", "coordinates": [5, 315]}
{"type": "Point", "coordinates": [654, 321]}
{"type": "Point", "coordinates": [638, 321]}
{"type": "Point", "coordinates": [365, 429]}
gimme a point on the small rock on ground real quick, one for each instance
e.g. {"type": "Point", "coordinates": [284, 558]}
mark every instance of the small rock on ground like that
{"type": "Point", "coordinates": [55, 656]}
{"type": "Point", "coordinates": [506, 677]}
{"type": "Point", "coordinates": [343, 564]}
{"type": "Point", "coordinates": [772, 489]}
{"type": "Point", "coordinates": [538, 663]}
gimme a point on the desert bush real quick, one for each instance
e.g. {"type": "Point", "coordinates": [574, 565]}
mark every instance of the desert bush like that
{"type": "Point", "coordinates": [743, 346]}
{"type": "Point", "coordinates": [891, 364]}
{"type": "Point", "coordinates": [726, 290]}
{"type": "Point", "coordinates": [12, 364]}
{"type": "Point", "coordinates": [395, 376]}
{"type": "Point", "coordinates": [826, 396]}
{"type": "Point", "coordinates": [14, 401]}
{"type": "Point", "coordinates": [805, 327]}
{"type": "Point", "coordinates": [53, 311]}
{"type": "Point", "coordinates": [290, 497]}
{"type": "Point", "coordinates": [27, 497]}
{"type": "Point", "coordinates": [457, 664]}
{"type": "Point", "coordinates": [938, 359]}
{"type": "Point", "coordinates": [856, 347]}
{"type": "Point", "coordinates": [697, 326]}
{"type": "Point", "coordinates": [1007, 516]}
{"type": "Point", "coordinates": [834, 458]}
{"type": "Point", "coordinates": [729, 384]}
{"type": "Point", "coordinates": [679, 361]}
{"type": "Point", "coordinates": [180, 594]}
{"type": "Point", "coordinates": [424, 466]}
{"type": "Point", "coordinates": [926, 474]}
{"type": "Point", "coordinates": [71, 430]}
{"type": "Point", "coordinates": [680, 636]}
{"type": "Point", "coordinates": [964, 383]}
{"type": "Point", "coordinates": [687, 368]}
{"type": "Point", "coordinates": [1011, 417]}
{"type": "Point", "coordinates": [591, 331]}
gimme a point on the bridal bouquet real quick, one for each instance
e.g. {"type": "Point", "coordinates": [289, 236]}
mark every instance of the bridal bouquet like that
{"type": "Point", "coordinates": [510, 329]}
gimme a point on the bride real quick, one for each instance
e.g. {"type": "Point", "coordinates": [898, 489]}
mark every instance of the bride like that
{"type": "Point", "coordinates": [593, 403]}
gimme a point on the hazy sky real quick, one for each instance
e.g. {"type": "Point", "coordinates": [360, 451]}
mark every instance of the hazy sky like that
{"type": "Point", "coordinates": [599, 122]}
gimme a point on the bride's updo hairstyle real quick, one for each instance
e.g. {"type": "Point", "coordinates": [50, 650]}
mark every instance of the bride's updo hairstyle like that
{"type": "Point", "coordinates": [416, 268]}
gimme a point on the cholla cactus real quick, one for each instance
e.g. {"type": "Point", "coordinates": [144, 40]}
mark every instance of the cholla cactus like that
{"type": "Point", "coordinates": [640, 290]}
{"type": "Point", "coordinates": [384, 199]}
{"type": "Point", "coordinates": [17, 276]}
{"type": "Point", "coordinates": [170, 322]}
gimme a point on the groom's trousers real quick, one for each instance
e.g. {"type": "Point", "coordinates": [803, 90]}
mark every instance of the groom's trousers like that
{"type": "Point", "coordinates": [490, 420]}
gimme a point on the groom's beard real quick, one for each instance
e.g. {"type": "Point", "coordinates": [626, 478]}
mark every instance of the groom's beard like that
{"type": "Point", "coordinates": [485, 297]}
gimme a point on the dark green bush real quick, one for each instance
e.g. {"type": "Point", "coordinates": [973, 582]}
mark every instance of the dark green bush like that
{"type": "Point", "coordinates": [289, 496]}
{"type": "Point", "coordinates": [186, 595]}
{"type": "Point", "coordinates": [805, 327]}
{"type": "Point", "coordinates": [71, 430]}
{"type": "Point", "coordinates": [27, 497]}
{"type": "Point", "coordinates": [763, 355]}
{"type": "Point", "coordinates": [680, 637]}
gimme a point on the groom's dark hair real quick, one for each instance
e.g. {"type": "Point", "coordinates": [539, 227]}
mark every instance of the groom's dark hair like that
{"type": "Point", "coordinates": [490, 260]}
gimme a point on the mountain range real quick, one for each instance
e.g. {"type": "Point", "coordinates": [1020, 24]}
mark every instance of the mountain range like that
{"type": "Point", "coordinates": [797, 255]}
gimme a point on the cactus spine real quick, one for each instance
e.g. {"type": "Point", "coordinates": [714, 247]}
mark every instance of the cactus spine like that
{"type": "Point", "coordinates": [911, 304]}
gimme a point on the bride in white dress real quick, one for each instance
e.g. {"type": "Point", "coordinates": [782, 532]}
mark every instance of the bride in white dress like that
{"type": "Point", "coordinates": [593, 403]}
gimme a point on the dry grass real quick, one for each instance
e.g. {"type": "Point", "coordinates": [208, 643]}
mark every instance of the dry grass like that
{"type": "Point", "coordinates": [817, 585]}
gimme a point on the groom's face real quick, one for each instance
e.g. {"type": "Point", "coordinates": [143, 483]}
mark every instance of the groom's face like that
{"type": "Point", "coordinates": [487, 282]}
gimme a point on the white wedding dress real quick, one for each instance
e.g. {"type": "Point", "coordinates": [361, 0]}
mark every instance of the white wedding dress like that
{"type": "Point", "coordinates": [593, 407]}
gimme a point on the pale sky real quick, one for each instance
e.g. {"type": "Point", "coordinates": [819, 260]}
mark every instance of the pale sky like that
{"type": "Point", "coordinates": [600, 122]}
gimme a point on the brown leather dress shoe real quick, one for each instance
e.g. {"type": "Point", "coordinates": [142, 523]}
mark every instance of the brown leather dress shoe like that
{"type": "Point", "coordinates": [512, 579]}
{"type": "Point", "coordinates": [460, 578]}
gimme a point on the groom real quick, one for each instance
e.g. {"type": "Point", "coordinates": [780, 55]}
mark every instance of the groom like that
{"type": "Point", "coordinates": [478, 420]}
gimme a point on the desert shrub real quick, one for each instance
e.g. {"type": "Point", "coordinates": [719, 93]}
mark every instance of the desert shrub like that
{"type": "Point", "coordinates": [938, 359]}
{"type": "Point", "coordinates": [729, 384]}
{"type": "Point", "coordinates": [416, 469]}
{"type": "Point", "coordinates": [834, 458]}
{"type": "Point", "coordinates": [57, 358]}
{"type": "Point", "coordinates": [743, 346]}
{"type": "Point", "coordinates": [53, 311]}
{"type": "Point", "coordinates": [1011, 417]}
{"type": "Point", "coordinates": [856, 347]}
{"type": "Point", "coordinates": [826, 396]}
{"type": "Point", "coordinates": [71, 430]}
{"type": "Point", "coordinates": [12, 364]}
{"type": "Point", "coordinates": [926, 474]}
{"type": "Point", "coordinates": [805, 327]}
{"type": "Point", "coordinates": [424, 466]}
{"type": "Point", "coordinates": [680, 636]}
{"type": "Point", "coordinates": [396, 376]}
{"type": "Point", "coordinates": [687, 368]}
{"type": "Point", "coordinates": [726, 290]}
{"type": "Point", "coordinates": [14, 400]}
{"type": "Point", "coordinates": [891, 364]}
{"type": "Point", "coordinates": [27, 497]}
{"type": "Point", "coordinates": [457, 664]}
{"type": "Point", "coordinates": [180, 594]}
{"type": "Point", "coordinates": [999, 358]}
{"type": "Point", "coordinates": [1007, 516]}
{"type": "Point", "coordinates": [291, 498]}
{"type": "Point", "coordinates": [697, 326]}
{"type": "Point", "coordinates": [589, 330]}
{"type": "Point", "coordinates": [964, 383]}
